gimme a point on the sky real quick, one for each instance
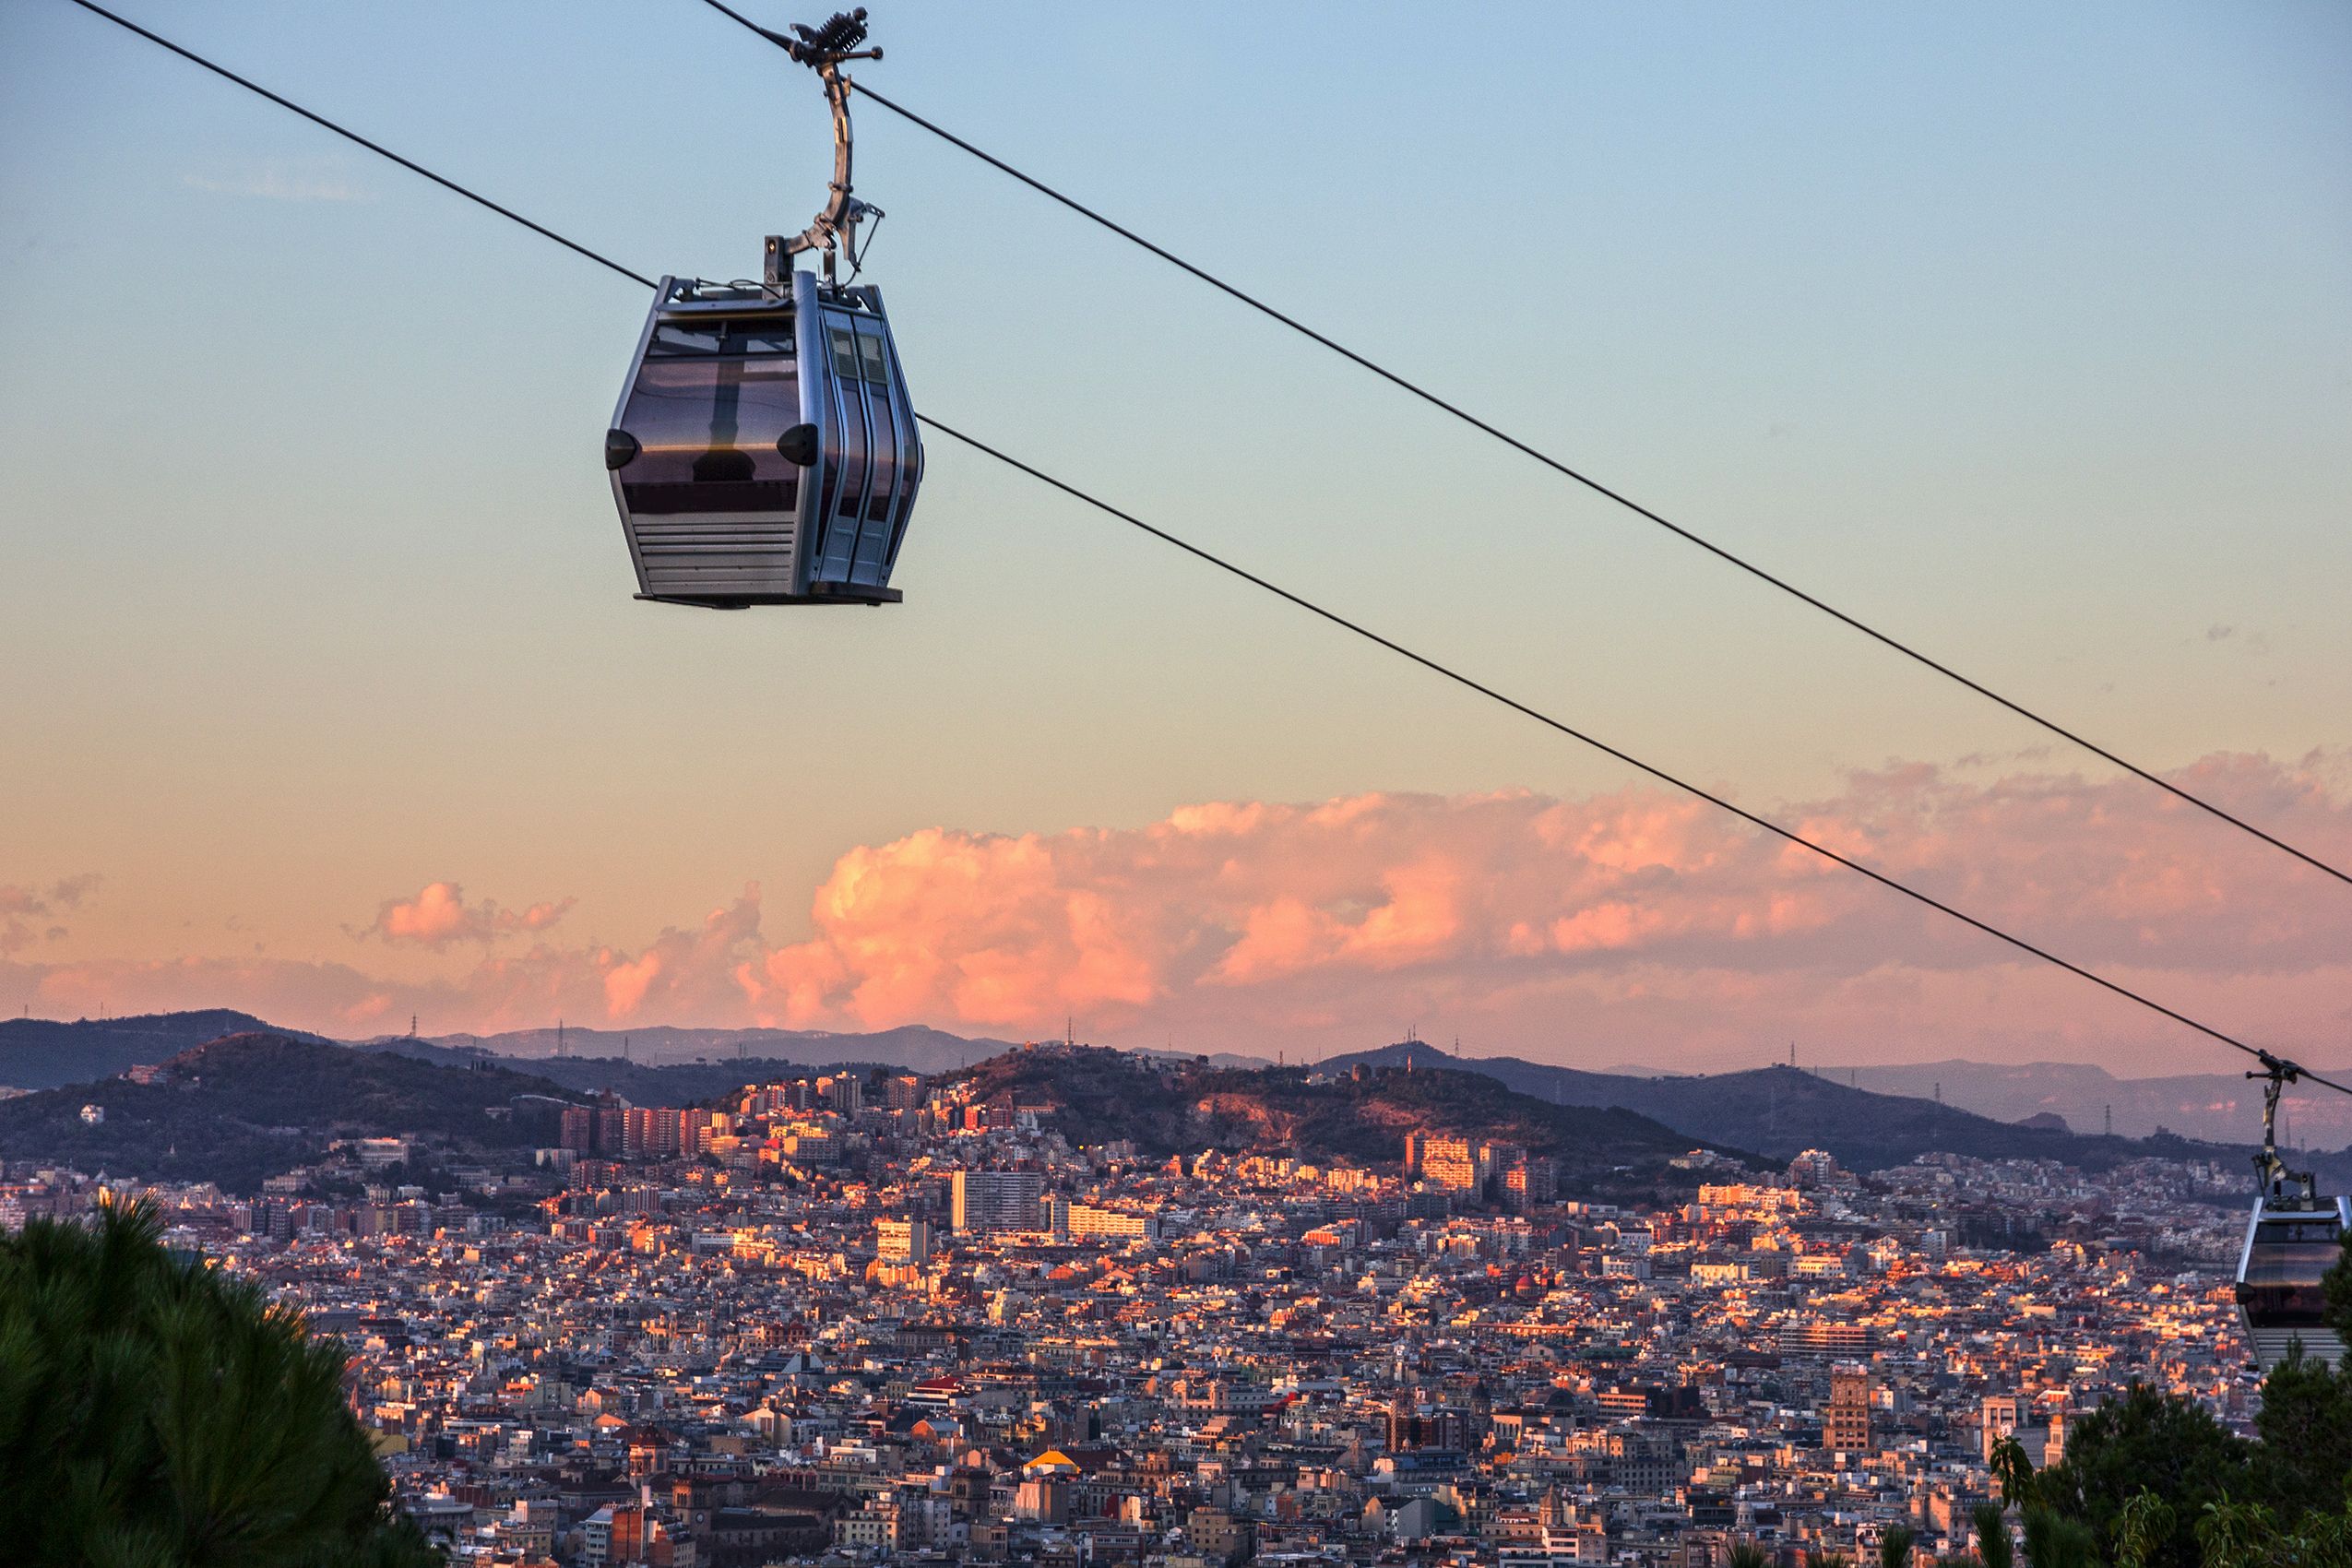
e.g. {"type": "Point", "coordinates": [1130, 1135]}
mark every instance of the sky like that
{"type": "Point", "coordinates": [2025, 335]}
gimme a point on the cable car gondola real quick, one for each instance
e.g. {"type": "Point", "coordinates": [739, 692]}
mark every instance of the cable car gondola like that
{"type": "Point", "coordinates": [765, 450]}
{"type": "Point", "coordinates": [2293, 1239]}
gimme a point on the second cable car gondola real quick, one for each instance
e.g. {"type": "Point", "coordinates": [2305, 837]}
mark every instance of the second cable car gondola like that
{"type": "Point", "coordinates": [765, 450]}
{"type": "Point", "coordinates": [2294, 1237]}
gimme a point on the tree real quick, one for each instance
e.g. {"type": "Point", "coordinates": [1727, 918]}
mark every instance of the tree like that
{"type": "Point", "coordinates": [1894, 1546]}
{"type": "Point", "coordinates": [154, 1413]}
{"type": "Point", "coordinates": [2305, 1428]}
{"type": "Point", "coordinates": [2052, 1541]}
{"type": "Point", "coordinates": [1994, 1549]}
{"type": "Point", "coordinates": [2148, 1442]}
{"type": "Point", "coordinates": [2306, 1420]}
{"type": "Point", "coordinates": [2145, 1523]}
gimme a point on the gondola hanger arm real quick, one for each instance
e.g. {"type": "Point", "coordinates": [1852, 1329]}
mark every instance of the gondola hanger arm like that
{"type": "Point", "coordinates": [824, 49]}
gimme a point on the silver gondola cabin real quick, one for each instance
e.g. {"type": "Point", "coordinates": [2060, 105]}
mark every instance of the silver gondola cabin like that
{"type": "Point", "coordinates": [2293, 1237]}
{"type": "Point", "coordinates": [765, 451]}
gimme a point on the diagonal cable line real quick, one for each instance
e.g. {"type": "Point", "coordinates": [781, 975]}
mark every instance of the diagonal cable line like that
{"type": "Point", "coordinates": [1331, 616]}
{"type": "Point", "coordinates": [1689, 536]}
{"type": "Point", "coordinates": [1628, 758]}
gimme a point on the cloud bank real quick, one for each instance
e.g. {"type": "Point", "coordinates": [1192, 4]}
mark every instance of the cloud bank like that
{"type": "Point", "coordinates": [1632, 926]}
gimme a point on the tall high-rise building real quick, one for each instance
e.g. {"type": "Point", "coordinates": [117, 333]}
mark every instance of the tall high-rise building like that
{"type": "Point", "coordinates": [903, 1240]}
{"type": "Point", "coordinates": [1846, 1424]}
{"type": "Point", "coordinates": [1457, 1165]}
{"type": "Point", "coordinates": [991, 1201]}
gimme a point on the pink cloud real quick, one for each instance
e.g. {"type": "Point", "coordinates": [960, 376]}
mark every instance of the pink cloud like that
{"type": "Point", "coordinates": [439, 916]}
{"type": "Point", "coordinates": [1632, 925]}
{"type": "Point", "coordinates": [1512, 913]}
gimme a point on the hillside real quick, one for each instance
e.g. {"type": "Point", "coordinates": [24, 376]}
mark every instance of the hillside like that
{"type": "Point", "coordinates": [678, 1084]}
{"type": "Point", "coordinates": [912, 1047]}
{"type": "Point", "coordinates": [1779, 1112]}
{"type": "Point", "coordinates": [249, 1106]}
{"type": "Point", "coordinates": [40, 1053]}
{"type": "Point", "coordinates": [1169, 1108]}
{"type": "Point", "coordinates": [2219, 1106]}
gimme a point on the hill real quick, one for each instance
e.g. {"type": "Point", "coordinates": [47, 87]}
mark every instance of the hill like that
{"type": "Point", "coordinates": [677, 1083]}
{"type": "Point", "coordinates": [2223, 1107]}
{"type": "Point", "coordinates": [252, 1105]}
{"type": "Point", "coordinates": [1167, 1107]}
{"type": "Point", "coordinates": [1780, 1112]}
{"type": "Point", "coordinates": [913, 1047]}
{"type": "Point", "coordinates": [41, 1053]}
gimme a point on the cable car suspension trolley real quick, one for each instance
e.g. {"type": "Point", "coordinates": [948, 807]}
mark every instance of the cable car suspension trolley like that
{"type": "Point", "coordinates": [765, 449]}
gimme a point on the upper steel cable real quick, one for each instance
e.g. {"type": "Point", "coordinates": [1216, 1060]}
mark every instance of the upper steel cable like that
{"type": "Point", "coordinates": [1300, 601]}
{"type": "Point", "coordinates": [1562, 469]}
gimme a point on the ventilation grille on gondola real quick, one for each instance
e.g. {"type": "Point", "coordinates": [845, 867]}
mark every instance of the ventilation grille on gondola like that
{"type": "Point", "coordinates": [688, 554]}
{"type": "Point", "coordinates": [2271, 1345]}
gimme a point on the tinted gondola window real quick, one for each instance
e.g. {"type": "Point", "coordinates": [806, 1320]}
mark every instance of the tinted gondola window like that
{"type": "Point", "coordinates": [707, 405]}
{"type": "Point", "coordinates": [873, 537]}
{"type": "Point", "coordinates": [841, 530]}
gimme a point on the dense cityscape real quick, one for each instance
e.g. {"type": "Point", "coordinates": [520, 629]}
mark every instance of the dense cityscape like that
{"type": "Point", "coordinates": [867, 1316]}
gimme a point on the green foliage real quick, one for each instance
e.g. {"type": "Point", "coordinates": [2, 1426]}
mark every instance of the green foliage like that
{"type": "Point", "coordinates": [1894, 1546]}
{"type": "Point", "coordinates": [2336, 1283]}
{"type": "Point", "coordinates": [1747, 1554]}
{"type": "Point", "coordinates": [2305, 1428]}
{"type": "Point", "coordinates": [1994, 1549]}
{"type": "Point", "coordinates": [2237, 1534]}
{"type": "Point", "coordinates": [2144, 1522]}
{"type": "Point", "coordinates": [2052, 1541]}
{"type": "Point", "coordinates": [2153, 1443]}
{"type": "Point", "coordinates": [155, 1414]}
{"type": "Point", "coordinates": [2251, 1534]}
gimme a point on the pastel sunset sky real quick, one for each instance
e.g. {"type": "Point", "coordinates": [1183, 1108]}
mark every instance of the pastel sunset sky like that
{"type": "Point", "coordinates": [2025, 335]}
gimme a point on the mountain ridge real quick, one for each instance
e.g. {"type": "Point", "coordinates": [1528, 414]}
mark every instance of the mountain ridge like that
{"type": "Point", "coordinates": [1782, 1110]}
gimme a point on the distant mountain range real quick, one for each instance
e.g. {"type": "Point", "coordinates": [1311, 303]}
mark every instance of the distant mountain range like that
{"type": "Point", "coordinates": [1867, 1117]}
{"type": "Point", "coordinates": [679, 1084]}
{"type": "Point", "coordinates": [41, 1053]}
{"type": "Point", "coordinates": [912, 1046]}
{"type": "Point", "coordinates": [1780, 1112]}
{"type": "Point", "coordinates": [2203, 1105]}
